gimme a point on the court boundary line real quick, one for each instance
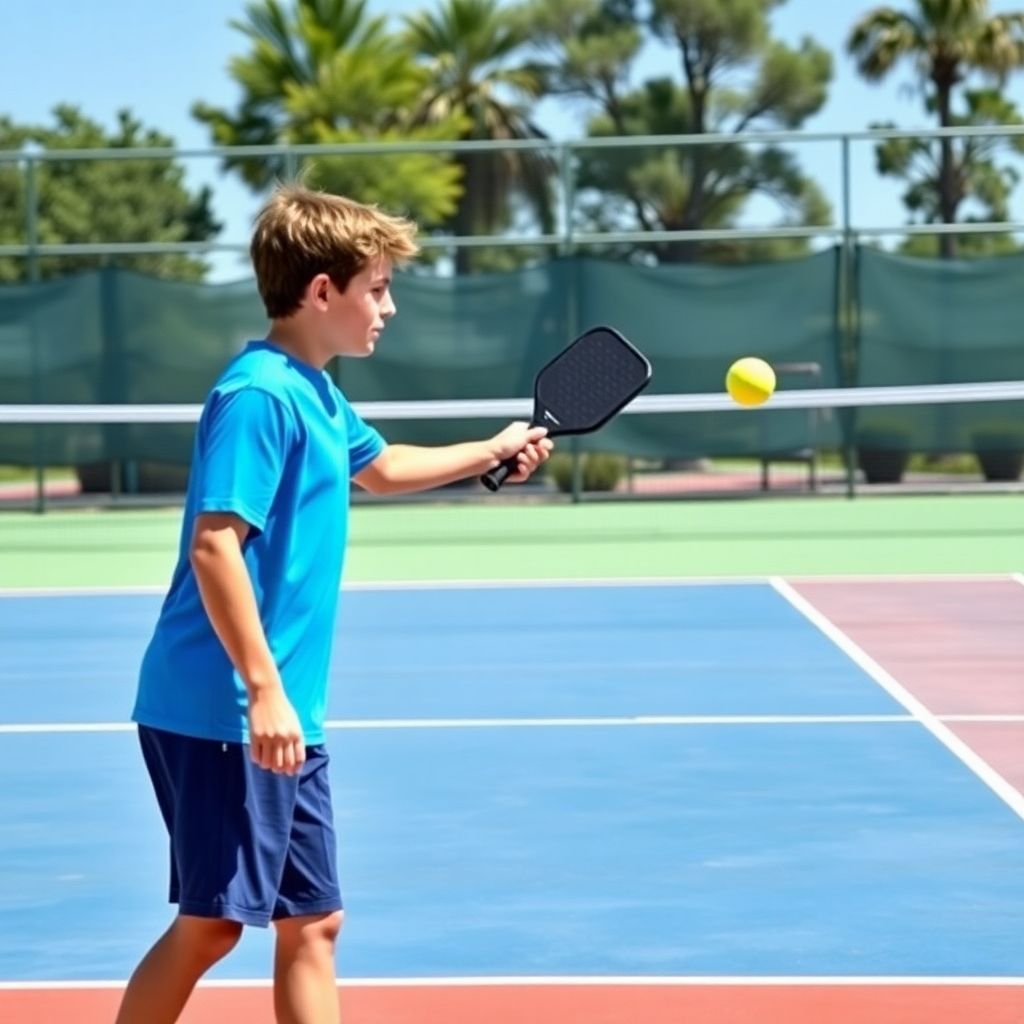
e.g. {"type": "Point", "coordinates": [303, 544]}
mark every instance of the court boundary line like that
{"type": "Point", "coordinates": [610, 721]}
{"type": "Point", "coordinates": [1011, 796]}
{"type": "Point", "coordinates": [540, 583]}
{"type": "Point", "coordinates": [638, 721]}
{"type": "Point", "coordinates": [583, 981]}
{"type": "Point", "coordinates": [992, 719]}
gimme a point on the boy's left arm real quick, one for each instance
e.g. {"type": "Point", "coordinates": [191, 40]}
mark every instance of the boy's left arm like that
{"type": "Point", "coordinates": [402, 468]}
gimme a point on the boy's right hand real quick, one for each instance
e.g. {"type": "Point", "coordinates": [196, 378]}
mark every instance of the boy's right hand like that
{"type": "Point", "coordinates": [275, 735]}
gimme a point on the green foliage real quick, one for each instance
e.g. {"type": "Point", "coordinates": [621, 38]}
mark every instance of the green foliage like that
{"type": "Point", "coordinates": [948, 42]}
{"type": "Point", "coordinates": [601, 471]}
{"type": "Point", "coordinates": [943, 39]}
{"type": "Point", "coordinates": [982, 187]}
{"type": "Point", "coordinates": [469, 49]}
{"type": "Point", "coordinates": [323, 72]}
{"type": "Point", "coordinates": [588, 46]}
{"type": "Point", "coordinates": [97, 201]}
{"type": "Point", "coordinates": [736, 77]}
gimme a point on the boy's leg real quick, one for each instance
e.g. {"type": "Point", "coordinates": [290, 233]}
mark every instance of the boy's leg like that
{"type": "Point", "coordinates": [229, 824]}
{"type": "Point", "coordinates": [305, 989]}
{"type": "Point", "coordinates": [163, 981]}
{"type": "Point", "coordinates": [308, 914]}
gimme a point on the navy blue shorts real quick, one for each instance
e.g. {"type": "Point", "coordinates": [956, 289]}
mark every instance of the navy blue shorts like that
{"type": "Point", "coordinates": [246, 844]}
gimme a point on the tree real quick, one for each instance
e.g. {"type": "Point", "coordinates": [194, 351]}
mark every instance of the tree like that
{"type": "Point", "coordinates": [95, 201]}
{"type": "Point", "coordinates": [467, 47]}
{"type": "Point", "coordinates": [734, 78]}
{"type": "Point", "coordinates": [982, 186]}
{"type": "Point", "coordinates": [323, 72]}
{"type": "Point", "coordinates": [947, 42]}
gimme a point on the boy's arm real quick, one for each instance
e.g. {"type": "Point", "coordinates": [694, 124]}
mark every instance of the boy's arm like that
{"type": "Point", "coordinates": [402, 468]}
{"type": "Point", "coordinates": [216, 556]}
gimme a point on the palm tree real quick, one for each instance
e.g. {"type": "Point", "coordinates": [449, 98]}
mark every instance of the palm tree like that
{"type": "Point", "coordinates": [290, 48]}
{"type": "Point", "coordinates": [946, 40]}
{"type": "Point", "coordinates": [467, 46]}
{"type": "Point", "coordinates": [325, 72]}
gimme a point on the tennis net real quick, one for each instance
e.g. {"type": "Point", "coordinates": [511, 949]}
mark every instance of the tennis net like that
{"type": "Point", "coordinates": [661, 444]}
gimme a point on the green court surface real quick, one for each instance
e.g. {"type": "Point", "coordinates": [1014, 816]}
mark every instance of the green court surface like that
{"type": "Point", "coordinates": [521, 540]}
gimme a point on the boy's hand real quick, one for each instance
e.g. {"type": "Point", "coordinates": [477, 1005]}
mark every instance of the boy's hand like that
{"type": "Point", "coordinates": [275, 735]}
{"type": "Point", "coordinates": [530, 444]}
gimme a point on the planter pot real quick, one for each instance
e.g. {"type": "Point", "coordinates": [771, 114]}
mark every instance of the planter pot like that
{"type": "Point", "coordinates": [150, 478]}
{"type": "Point", "coordinates": [882, 465]}
{"type": "Point", "coordinates": [94, 477]}
{"type": "Point", "coordinates": [1000, 465]}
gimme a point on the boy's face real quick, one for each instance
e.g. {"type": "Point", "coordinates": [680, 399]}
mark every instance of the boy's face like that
{"type": "Point", "coordinates": [358, 314]}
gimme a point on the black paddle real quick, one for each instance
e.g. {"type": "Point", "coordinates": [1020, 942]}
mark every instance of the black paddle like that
{"type": "Point", "coordinates": [582, 388]}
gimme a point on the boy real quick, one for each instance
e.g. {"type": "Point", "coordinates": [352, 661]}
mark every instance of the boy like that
{"type": "Point", "coordinates": [232, 690]}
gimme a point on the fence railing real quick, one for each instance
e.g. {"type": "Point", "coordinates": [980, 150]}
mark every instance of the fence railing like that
{"type": "Point", "coordinates": [846, 228]}
{"type": "Point", "coordinates": [564, 155]}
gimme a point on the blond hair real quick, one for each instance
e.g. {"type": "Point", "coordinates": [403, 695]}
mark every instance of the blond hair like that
{"type": "Point", "coordinates": [301, 233]}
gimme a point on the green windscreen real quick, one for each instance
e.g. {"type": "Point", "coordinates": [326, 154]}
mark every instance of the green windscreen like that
{"type": "Point", "coordinates": [940, 322]}
{"type": "Point", "coordinates": [114, 336]}
{"type": "Point", "coordinates": [118, 337]}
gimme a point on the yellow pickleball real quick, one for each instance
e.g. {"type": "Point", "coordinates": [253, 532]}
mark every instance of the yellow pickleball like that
{"type": "Point", "coordinates": [750, 381]}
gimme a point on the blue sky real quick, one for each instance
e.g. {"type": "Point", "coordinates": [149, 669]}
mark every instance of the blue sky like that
{"type": "Point", "coordinates": [107, 55]}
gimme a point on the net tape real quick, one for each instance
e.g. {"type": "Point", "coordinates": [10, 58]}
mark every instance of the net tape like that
{"type": "Point", "coordinates": [522, 408]}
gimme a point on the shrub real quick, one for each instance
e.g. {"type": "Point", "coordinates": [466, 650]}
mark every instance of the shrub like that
{"type": "Point", "coordinates": [601, 471]}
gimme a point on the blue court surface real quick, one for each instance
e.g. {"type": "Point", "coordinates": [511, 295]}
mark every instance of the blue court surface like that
{"type": "Point", "coordinates": [659, 780]}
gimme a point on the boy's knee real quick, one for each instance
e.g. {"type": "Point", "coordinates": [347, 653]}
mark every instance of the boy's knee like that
{"type": "Point", "coordinates": [209, 938]}
{"type": "Point", "coordinates": [330, 926]}
{"type": "Point", "coordinates": [317, 930]}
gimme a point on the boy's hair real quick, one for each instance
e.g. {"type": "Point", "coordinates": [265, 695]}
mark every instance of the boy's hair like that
{"type": "Point", "coordinates": [301, 233]}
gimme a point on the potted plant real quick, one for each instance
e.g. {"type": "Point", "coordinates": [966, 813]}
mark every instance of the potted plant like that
{"type": "Point", "coordinates": [999, 448]}
{"type": "Point", "coordinates": [601, 471]}
{"type": "Point", "coordinates": [883, 450]}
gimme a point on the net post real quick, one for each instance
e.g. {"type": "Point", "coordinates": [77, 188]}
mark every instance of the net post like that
{"type": "Point", "coordinates": [573, 297]}
{"type": "Point", "coordinates": [291, 165]}
{"type": "Point", "coordinates": [847, 313]}
{"type": "Point", "coordinates": [32, 241]}
{"type": "Point", "coordinates": [848, 417]}
{"type": "Point", "coordinates": [568, 181]}
{"type": "Point", "coordinates": [114, 384]}
{"type": "Point", "coordinates": [577, 471]}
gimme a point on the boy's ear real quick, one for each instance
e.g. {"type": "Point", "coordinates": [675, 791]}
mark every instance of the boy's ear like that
{"type": "Point", "coordinates": [318, 291]}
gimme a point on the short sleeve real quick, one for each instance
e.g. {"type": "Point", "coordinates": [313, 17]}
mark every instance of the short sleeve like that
{"type": "Point", "coordinates": [244, 441]}
{"type": "Point", "coordinates": [364, 443]}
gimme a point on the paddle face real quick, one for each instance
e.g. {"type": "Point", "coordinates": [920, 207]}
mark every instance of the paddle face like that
{"type": "Point", "coordinates": [582, 388]}
{"type": "Point", "coordinates": [587, 383]}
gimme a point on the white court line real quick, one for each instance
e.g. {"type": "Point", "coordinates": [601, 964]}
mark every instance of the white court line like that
{"type": "Point", "coordinates": [1011, 796]}
{"type": "Point", "coordinates": [78, 591]}
{"type": "Point", "coordinates": [669, 581]}
{"type": "Point", "coordinates": [637, 721]}
{"type": "Point", "coordinates": [585, 981]}
{"type": "Point", "coordinates": [538, 582]}
{"type": "Point", "coordinates": [910, 577]}
{"type": "Point", "coordinates": [1000, 718]}
{"type": "Point", "coordinates": [488, 584]}
{"type": "Point", "coordinates": [504, 723]}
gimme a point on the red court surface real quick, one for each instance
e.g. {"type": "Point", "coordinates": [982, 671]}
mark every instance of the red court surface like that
{"type": "Point", "coordinates": [573, 1004]}
{"type": "Point", "coordinates": [955, 645]}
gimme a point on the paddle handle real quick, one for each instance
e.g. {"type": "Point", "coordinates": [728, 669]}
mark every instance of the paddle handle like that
{"type": "Point", "coordinates": [494, 478]}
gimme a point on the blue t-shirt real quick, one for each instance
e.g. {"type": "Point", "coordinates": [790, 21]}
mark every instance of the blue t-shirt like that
{"type": "Point", "coordinates": [276, 445]}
